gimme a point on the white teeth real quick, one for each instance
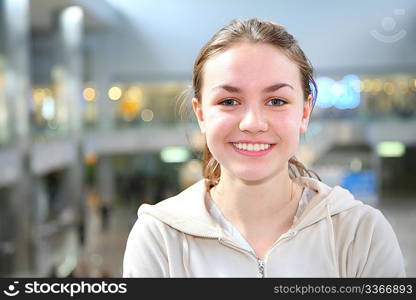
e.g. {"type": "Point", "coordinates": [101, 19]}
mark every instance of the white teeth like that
{"type": "Point", "coordinates": [252, 147]}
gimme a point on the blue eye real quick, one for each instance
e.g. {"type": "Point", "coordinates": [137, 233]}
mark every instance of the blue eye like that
{"type": "Point", "coordinates": [229, 102]}
{"type": "Point", "coordinates": [276, 102]}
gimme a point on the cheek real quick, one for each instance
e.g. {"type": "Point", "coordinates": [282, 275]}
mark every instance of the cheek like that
{"type": "Point", "coordinates": [218, 128]}
{"type": "Point", "coordinates": [218, 123]}
{"type": "Point", "coordinates": [293, 131]}
{"type": "Point", "coordinates": [287, 123]}
{"type": "Point", "coordinates": [294, 124]}
{"type": "Point", "coordinates": [288, 130]}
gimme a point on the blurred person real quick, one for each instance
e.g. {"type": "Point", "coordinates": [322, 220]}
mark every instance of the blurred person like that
{"type": "Point", "coordinates": [258, 212]}
{"type": "Point", "coordinates": [53, 271]}
{"type": "Point", "coordinates": [104, 273]}
{"type": "Point", "coordinates": [82, 270]}
{"type": "Point", "coordinates": [80, 226]}
{"type": "Point", "coordinates": [105, 215]}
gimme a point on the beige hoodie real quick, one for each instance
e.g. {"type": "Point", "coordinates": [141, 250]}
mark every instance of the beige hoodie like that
{"type": "Point", "coordinates": [336, 236]}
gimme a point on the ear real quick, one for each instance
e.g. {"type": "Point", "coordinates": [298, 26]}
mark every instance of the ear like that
{"type": "Point", "coordinates": [307, 109]}
{"type": "Point", "coordinates": [197, 106]}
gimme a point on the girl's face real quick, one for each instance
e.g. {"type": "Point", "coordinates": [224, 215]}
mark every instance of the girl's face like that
{"type": "Point", "coordinates": [252, 110]}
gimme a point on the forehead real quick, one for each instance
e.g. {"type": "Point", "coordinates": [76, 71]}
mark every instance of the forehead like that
{"type": "Point", "coordinates": [251, 65]}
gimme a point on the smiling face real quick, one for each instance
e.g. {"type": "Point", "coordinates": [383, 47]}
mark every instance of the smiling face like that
{"type": "Point", "coordinates": [252, 110]}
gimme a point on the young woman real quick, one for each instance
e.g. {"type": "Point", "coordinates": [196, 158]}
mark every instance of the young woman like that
{"type": "Point", "coordinates": [255, 213]}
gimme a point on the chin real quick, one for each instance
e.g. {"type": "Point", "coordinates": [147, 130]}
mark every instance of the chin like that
{"type": "Point", "coordinates": [254, 180]}
{"type": "Point", "coordinates": [255, 173]}
{"type": "Point", "coordinates": [252, 176]}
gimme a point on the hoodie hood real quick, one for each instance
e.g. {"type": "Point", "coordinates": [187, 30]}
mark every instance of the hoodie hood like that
{"type": "Point", "coordinates": [188, 212]}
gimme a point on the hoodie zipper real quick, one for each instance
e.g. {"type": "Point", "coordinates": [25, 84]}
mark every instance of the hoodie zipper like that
{"type": "Point", "coordinates": [261, 263]}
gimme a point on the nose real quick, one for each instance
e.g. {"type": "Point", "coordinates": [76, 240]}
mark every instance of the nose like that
{"type": "Point", "coordinates": [253, 121]}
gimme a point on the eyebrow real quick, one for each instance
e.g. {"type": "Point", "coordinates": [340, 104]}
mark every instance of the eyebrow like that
{"type": "Point", "coordinates": [269, 89]}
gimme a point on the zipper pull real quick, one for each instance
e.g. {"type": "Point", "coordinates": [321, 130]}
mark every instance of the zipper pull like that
{"type": "Point", "coordinates": [260, 265]}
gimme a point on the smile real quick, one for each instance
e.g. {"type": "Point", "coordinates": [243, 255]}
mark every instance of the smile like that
{"type": "Point", "coordinates": [252, 149]}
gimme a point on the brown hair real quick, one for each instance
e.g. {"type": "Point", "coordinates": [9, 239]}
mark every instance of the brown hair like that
{"type": "Point", "coordinates": [255, 31]}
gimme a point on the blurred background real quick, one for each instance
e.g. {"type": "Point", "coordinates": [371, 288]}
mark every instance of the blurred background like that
{"type": "Point", "coordinates": [89, 123]}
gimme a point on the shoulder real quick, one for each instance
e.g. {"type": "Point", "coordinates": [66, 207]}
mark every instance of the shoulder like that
{"type": "Point", "coordinates": [369, 243]}
{"type": "Point", "coordinates": [362, 217]}
{"type": "Point", "coordinates": [363, 221]}
{"type": "Point", "coordinates": [148, 227]}
{"type": "Point", "coordinates": [373, 226]}
{"type": "Point", "coordinates": [145, 254]}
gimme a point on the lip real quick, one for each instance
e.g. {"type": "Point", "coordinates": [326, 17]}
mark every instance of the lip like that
{"type": "Point", "coordinates": [253, 153]}
{"type": "Point", "coordinates": [252, 142]}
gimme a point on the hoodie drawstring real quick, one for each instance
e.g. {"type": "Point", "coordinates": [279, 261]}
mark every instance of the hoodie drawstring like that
{"type": "Point", "coordinates": [185, 255]}
{"type": "Point", "coordinates": [332, 237]}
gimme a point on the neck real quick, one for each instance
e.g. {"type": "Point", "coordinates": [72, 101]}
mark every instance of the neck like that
{"type": "Point", "coordinates": [248, 202]}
